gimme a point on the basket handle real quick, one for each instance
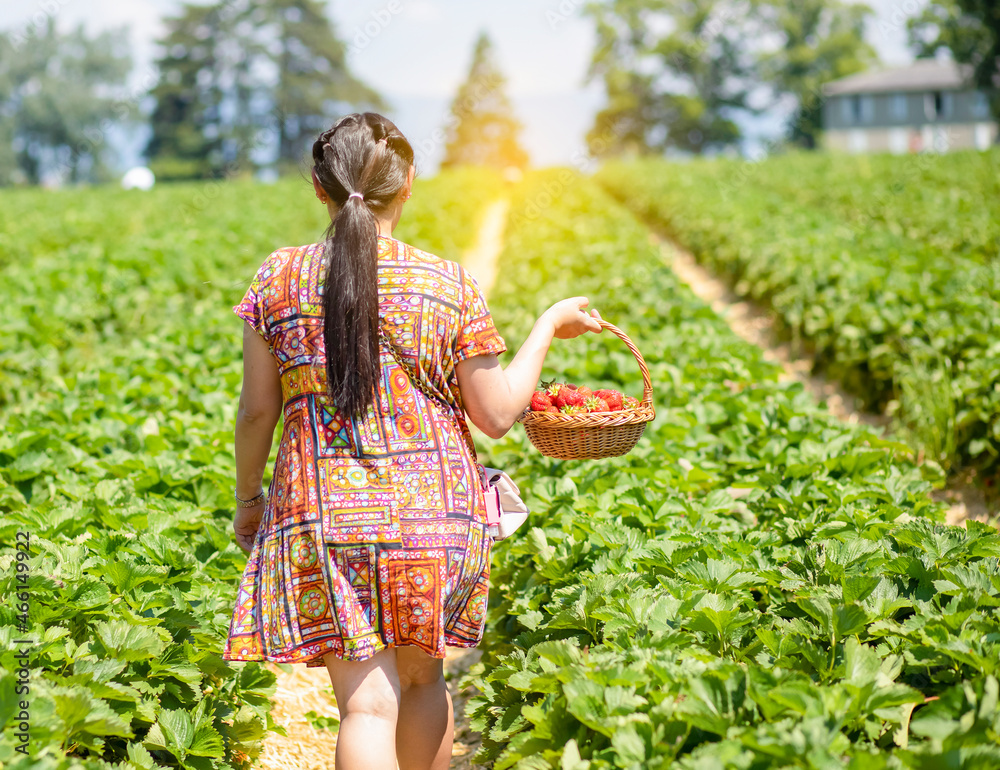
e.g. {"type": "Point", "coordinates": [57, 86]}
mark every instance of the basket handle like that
{"type": "Point", "coordinates": [647, 382]}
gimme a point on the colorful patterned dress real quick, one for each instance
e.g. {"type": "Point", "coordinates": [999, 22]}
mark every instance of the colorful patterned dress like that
{"type": "Point", "coordinates": [374, 531]}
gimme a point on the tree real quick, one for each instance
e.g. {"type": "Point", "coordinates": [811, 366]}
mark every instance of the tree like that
{"type": "Point", "coordinates": [312, 73]}
{"type": "Point", "coordinates": [820, 40]}
{"type": "Point", "coordinates": [246, 80]}
{"type": "Point", "coordinates": [186, 122]}
{"type": "Point", "coordinates": [677, 73]}
{"type": "Point", "coordinates": [57, 102]}
{"type": "Point", "coordinates": [970, 31]}
{"type": "Point", "coordinates": [482, 129]}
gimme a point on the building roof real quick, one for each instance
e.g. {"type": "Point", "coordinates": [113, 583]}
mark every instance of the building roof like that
{"type": "Point", "coordinates": [922, 75]}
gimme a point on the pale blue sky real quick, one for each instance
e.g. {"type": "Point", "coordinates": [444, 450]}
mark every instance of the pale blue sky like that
{"type": "Point", "coordinates": [418, 55]}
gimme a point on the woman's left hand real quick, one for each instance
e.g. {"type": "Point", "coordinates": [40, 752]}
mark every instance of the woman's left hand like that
{"type": "Point", "coordinates": [245, 525]}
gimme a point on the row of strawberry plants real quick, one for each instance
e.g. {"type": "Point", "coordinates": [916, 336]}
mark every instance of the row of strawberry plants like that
{"type": "Point", "coordinates": [116, 381]}
{"type": "Point", "coordinates": [755, 585]}
{"type": "Point", "coordinates": [908, 328]}
{"type": "Point", "coordinates": [119, 371]}
{"type": "Point", "coordinates": [940, 200]}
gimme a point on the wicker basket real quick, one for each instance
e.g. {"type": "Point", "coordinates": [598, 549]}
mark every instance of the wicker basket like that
{"type": "Point", "coordinates": [598, 434]}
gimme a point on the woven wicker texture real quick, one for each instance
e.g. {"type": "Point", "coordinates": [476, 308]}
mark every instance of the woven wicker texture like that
{"type": "Point", "coordinates": [598, 434]}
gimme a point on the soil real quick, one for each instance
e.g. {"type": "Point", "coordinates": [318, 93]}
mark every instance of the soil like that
{"type": "Point", "coordinates": [481, 259]}
{"type": "Point", "coordinates": [756, 325]}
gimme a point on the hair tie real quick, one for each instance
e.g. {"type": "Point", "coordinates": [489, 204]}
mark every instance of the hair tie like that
{"type": "Point", "coordinates": [355, 195]}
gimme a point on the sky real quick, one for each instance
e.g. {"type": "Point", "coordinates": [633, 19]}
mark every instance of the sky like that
{"type": "Point", "coordinates": [417, 52]}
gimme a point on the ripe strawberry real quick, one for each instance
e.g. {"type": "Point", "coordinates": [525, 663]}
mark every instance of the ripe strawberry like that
{"type": "Point", "coordinates": [568, 397]}
{"type": "Point", "coordinates": [584, 391]}
{"type": "Point", "coordinates": [553, 410]}
{"type": "Point", "coordinates": [595, 404]}
{"type": "Point", "coordinates": [573, 409]}
{"type": "Point", "coordinates": [613, 397]}
{"type": "Point", "coordinates": [540, 401]}
{"type": "Point", "coordinates": [552, 388]}
{"type": "Point", "coordinates": [630, 403]}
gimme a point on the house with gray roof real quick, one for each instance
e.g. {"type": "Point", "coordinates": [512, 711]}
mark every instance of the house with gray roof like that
{"type": "Point", "coordinates": [928, 105]}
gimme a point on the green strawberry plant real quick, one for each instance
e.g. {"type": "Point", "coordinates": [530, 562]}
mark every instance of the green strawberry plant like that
{"type": "Point", "coordinates": [872, 266]}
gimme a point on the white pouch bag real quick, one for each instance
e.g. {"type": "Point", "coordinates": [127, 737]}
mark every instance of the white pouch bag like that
{"type": "Point", "coordinates": [505, 510]}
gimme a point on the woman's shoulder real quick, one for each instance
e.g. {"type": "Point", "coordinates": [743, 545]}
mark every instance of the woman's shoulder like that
{"type": "Point", "coordinates": [446, 268]}
{"type": "Point", "coordinates": [285, 258]}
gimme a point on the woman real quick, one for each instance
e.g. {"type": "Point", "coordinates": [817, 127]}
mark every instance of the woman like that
{"type": "Point", "coordinates": [369, 555]}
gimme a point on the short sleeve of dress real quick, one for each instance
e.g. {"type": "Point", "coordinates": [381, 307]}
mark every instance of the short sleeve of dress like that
{"type": "Point", "coordinates": [477, 335]}
{"type": "Point", "coordinates": [252, 307]}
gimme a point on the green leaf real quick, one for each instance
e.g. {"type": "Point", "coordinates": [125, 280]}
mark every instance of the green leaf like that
{"type": "Point", "coordinates": [207, 743]}
{"type": "Point", "coordinates": [132, 643]}
{"type": "Point", "coordinates": [857, 588]}
{"type": "Point", "coordinates": [173, 732]}
{"type": "Point", "coordinates": [629, 745]}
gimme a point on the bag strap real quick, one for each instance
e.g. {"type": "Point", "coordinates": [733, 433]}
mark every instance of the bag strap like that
{"type": "Point", "coordinates": [423, 388]}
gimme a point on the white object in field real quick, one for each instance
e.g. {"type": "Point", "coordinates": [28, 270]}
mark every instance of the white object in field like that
{"type": "Point", "coordinates": [899, 140]}
{"type": "Point", "coordinates": [983, 136]}
{"type": "Point", "coordinates": [138, 178]}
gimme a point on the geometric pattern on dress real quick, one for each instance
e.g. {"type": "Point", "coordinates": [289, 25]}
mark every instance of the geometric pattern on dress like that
{"type": "Point", "coordinates": [293, 494]}
{"type": "Point", "coordinates": [374, 531]}
{"type": "Point", "coordinates": [359, 501]}
{"type": "Point", "coordinates": [411, 585]}
{"type": "Point", "coordinates": [333, 432]}
{"type": "Point", "coordinates": [355, 606]}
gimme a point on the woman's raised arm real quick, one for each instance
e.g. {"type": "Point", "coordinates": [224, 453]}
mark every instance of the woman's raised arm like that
{"type": "Point", "coordinates": [495, 397]}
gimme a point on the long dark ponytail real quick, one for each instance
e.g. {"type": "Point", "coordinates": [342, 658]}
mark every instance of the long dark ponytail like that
{"type": "Point", "coordinates": [362, 163]}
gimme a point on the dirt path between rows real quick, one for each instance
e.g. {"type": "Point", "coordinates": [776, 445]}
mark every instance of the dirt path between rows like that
{"type": "Point", "coordinates": [481, 259]}
{"type": "Point", "coordinates": [308, 689]}
{"type": "Point", "coordinates": [755, 324]}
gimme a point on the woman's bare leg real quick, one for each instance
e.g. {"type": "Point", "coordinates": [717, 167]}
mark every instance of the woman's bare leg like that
{"type": "Point", "coordinates": [368, 697]}
{"type": "Point", "coordinates": [425, 731]}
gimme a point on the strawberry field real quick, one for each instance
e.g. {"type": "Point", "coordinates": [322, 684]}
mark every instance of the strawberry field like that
{"type": "Point", "coordinates": [757, 585]}
{"type": "Point", "coordinates": [886, 270]}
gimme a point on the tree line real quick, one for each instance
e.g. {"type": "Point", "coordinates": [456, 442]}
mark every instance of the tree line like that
{"type": "Point", "coordinates": [244, 83]}
{"type": "Point", "coordinates": [679, 74]}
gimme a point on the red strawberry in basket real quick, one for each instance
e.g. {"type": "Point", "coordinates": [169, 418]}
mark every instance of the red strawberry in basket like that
{"type": "Point", "coordinates": [568, 396]}
{"type": "Point", "coordinates": [584, 391]}
{"type": "Point", "coordinates": [540, 401]}
{"type": "Point", "coordinates": [630, 403]}
{"type": "Point", "coordinates": [613, 398]}
{"type": "Point", "coordinates": [573, 409]}
{"type": "Point", "coordinates": [552, 410]}
{"type": "Point", "coordinates": [595, 404]}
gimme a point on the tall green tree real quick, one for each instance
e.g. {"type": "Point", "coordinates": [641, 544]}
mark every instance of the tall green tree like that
{"type": "Point", "coordinates": [818, 41]}
{"type": "Point", "coordinates": [187, 123]}
{"type": "Point", "coordinates": [677, 73]}
{"type": "Point", "coordinates": [482, 129]}
{"type": "Point", "coordinates": [244, 82]}
{"type": "Point", "coordinates": [312, 73]}
{"type": "Point", "coordinates": [60, 95]}
{"type": "Point", "coordinates": [970, 31]}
